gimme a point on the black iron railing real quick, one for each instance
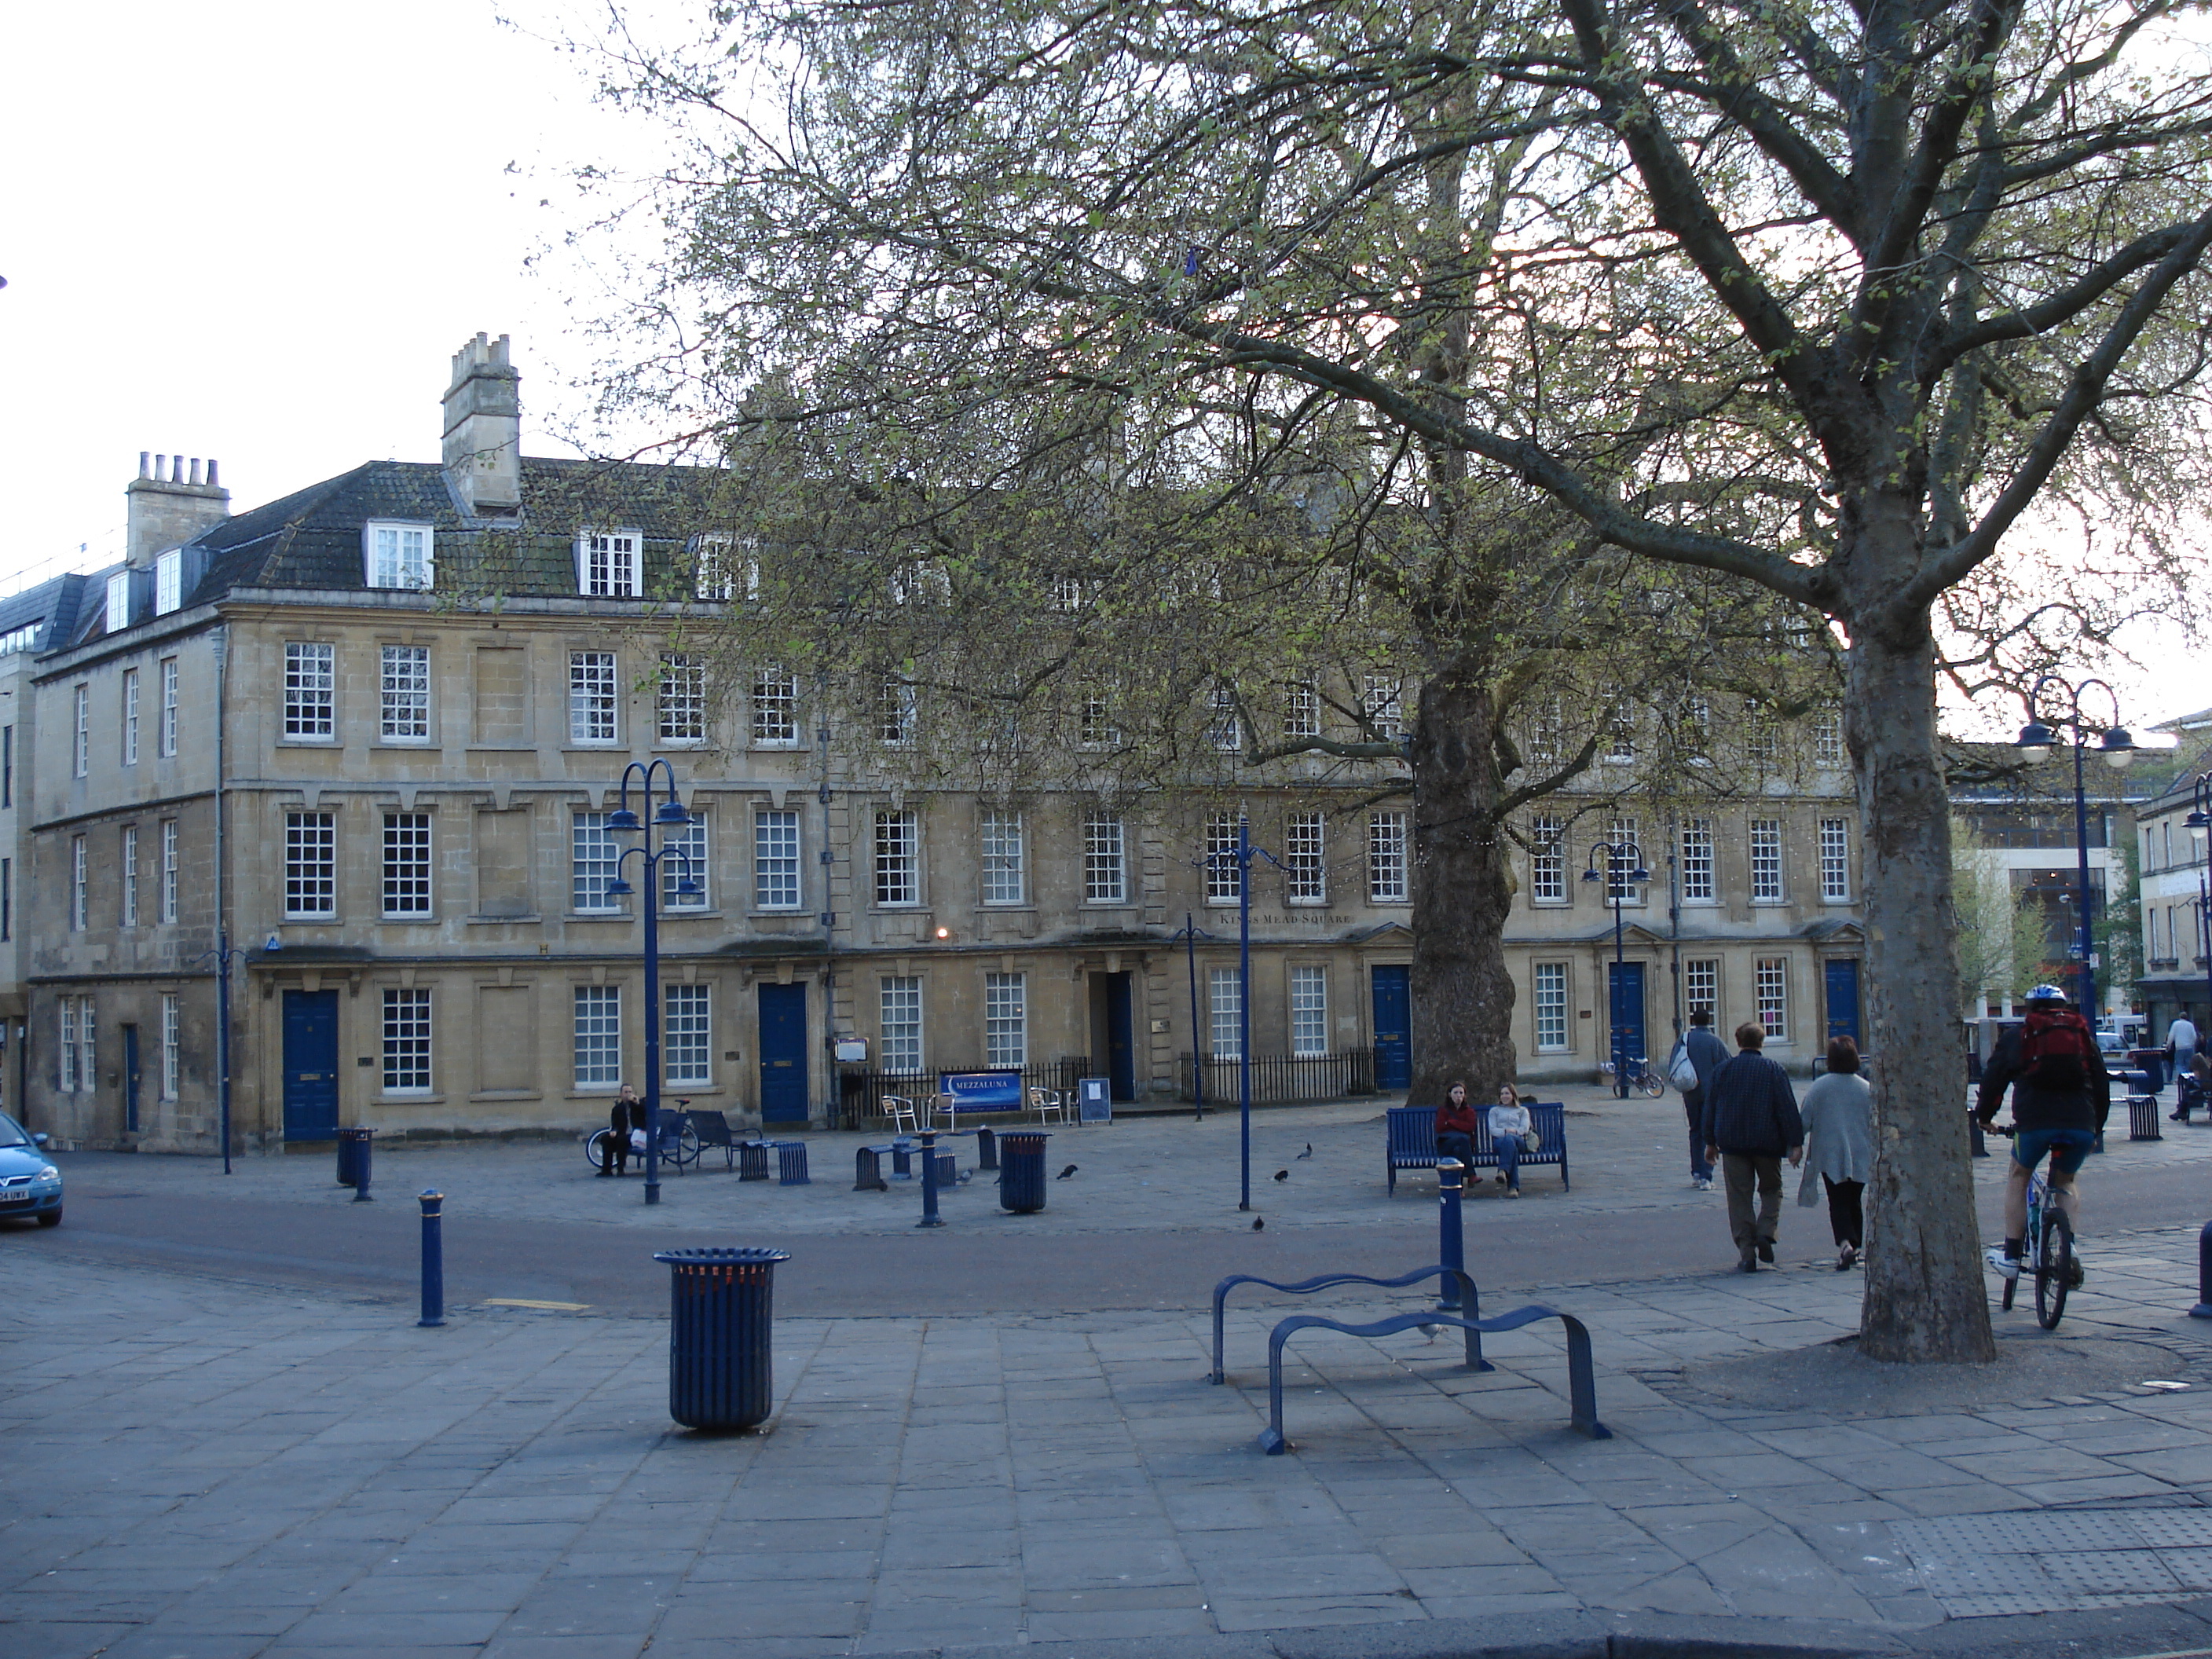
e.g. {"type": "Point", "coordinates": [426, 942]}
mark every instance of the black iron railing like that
{"type": "Point", "coordinates": [1282, 1079]}
{"type": "Point", "coordinates": [861, 1094]}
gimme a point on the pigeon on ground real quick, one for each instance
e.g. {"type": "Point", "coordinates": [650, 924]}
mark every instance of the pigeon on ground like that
{"type": "Point", "coordinates": [1064, 1174]}
{"type": "Point", "coordinates": [1282, 1175]}
{"type": "Point", "coordinates": [1259, 1224]}
{"type": "Point", "coordinates": [966, 1175]}
{"type": "Point", "coordinates": [1307, 1153]}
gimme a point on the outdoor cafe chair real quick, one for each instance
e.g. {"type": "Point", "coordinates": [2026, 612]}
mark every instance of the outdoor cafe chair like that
{"type": "Point", "coordinates": [900, 1110]}
{"type": "Point", "coordinates": [1049, 1104]}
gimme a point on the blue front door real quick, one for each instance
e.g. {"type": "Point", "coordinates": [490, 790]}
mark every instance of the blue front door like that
{"type": "Point", "coordinates": [311, 1064]}
{"type": "Point", "coordinates": [1625, 1005]}
{"type": "Point", "coordinates": [783, 1053]}
{"type": "Point", "coordinates": [131, 1079]}
{"type": "Point", "coordinates": [1394, 1041]}
{"type": "Point", "coordinates": [1843, 978]}
{"type": "Point", "coordinates": [1121, 1039]}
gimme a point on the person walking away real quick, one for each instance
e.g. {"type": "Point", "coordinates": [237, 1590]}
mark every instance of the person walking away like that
{"type": "Point", "coordinates": [1509, 1122]}
{"type": "Point", "coordinates": [1708, 1053]}
{"type": "Point", "coordinates": [1455, 1126]}
{"type": "Point", "coordinates": [627, 1114]}
{"type": "Point", "coordinates": [1751, 1126]}
{"type": "Point", "coordinates": [2061, 1095]}
{"type": "Point", "coordinates": [2180, 1055]}
{"type": "Point", "coordinates": [1838, 1112]}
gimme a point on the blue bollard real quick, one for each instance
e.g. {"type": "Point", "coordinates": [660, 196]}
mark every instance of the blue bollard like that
{"type": "Point", "coordinates": [2203, 1307]}
{"type": "Point", "coordinates": [433, 1261]}
{"type": "Point", "coordinates": [929, 1216]}
{"type": "Point", "coordinates": [1451, 1235]}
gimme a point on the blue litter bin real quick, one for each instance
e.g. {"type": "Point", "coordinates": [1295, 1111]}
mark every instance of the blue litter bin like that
{"type": "Point", "coordinates": [354, 1155]}
{"type": "Point", "coordinates": [1021, 1170]}
{"type": "Point", "coordinates": [721, 1335]}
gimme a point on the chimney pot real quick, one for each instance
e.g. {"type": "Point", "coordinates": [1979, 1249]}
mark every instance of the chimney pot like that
{"type": "Point", "coordinates": [145, 464]}
{"type": "Point", "coordinates": [196, 469]}
{"type": "Point", "coordinates": [211, 477]}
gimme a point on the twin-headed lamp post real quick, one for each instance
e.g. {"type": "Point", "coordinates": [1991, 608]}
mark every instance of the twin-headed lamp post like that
{"type": "Point", "coordinates": [2197, 822]}
{"type": "Point", "coordinates": [2036, 741]}
{"type": "Point", "coordinates": [1616, 854]}
{"type": "Point", "coordinates": [670, 815]}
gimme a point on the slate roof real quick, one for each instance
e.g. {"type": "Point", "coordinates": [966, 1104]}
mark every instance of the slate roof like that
{"type": "Point", "coordinates": [52, 606]}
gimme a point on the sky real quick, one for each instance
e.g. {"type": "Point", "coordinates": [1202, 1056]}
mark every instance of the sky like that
{"type": "Point", "coordinates": [259, 232]}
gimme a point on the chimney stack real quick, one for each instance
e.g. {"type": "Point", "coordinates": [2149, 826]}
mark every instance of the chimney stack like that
{"type": "Point", "coordinates": [483, 427]}
{"type": "Point", "coordinates": [169, 505]}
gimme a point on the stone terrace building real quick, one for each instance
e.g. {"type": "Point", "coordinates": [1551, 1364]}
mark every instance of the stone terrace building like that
{"type": "Point", "coordinates": [368, 737]}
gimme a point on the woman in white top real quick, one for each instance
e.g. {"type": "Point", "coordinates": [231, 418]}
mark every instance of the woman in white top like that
{"type": "Point", "coordinates": [1838, 1114]}
{"type": "Point", "coordinates": [1509, 1121]}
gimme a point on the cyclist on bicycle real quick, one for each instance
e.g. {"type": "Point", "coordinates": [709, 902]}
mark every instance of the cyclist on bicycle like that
{"type": "Point", "coordinates": [2060, 1094]}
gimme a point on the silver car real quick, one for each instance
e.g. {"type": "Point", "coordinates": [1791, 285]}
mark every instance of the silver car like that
{"type": "Point", "coordinates": [29, 1185]}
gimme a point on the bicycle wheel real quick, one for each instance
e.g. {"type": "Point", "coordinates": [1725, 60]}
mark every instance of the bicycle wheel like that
{"type": "Point", "coordinates": [682, 1150]}
{"type": "Point", "coordinates": [595, 1149]}
{"type": "Point", "coordinates": [2054, 1271]}
{"type": "Point", "coordinates": [1654, 1084]}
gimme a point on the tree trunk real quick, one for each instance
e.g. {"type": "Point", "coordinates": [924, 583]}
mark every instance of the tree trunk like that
{"type": "Point", "coordinates": [1462, 996]}
{"type": "Point", "coordinates": [1925, 1300]}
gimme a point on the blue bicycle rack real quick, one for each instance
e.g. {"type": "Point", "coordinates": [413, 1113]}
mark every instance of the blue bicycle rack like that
{"type": "Point", "coordinates": [1467, 1302]}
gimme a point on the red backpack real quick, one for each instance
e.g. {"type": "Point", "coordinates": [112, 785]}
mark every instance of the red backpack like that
{"type": "Point", "coordinates": [2055, 1049]}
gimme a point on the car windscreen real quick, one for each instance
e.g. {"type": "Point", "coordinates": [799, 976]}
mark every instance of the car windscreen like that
{"type": "Point", "coordinates": [11, 1132]}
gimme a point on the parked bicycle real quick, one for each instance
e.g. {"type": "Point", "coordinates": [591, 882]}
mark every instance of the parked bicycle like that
{"type": "Point", "coordinates": [679, 1142]}
{"type": "Point", "coordinates": [2048, 1249]}
{"type": "Point", "coordinates": [1640, 1076]}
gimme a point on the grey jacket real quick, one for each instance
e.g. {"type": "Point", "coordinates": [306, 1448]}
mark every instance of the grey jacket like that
{"type": "Point", "coordinates": [1838, 1117]}
{"type": "Point", "coordinates": [1708, 1053]}
{"type": "Point", "coordinates": [1750, 1108]}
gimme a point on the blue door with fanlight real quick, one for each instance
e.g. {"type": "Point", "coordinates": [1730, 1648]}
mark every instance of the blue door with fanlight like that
{"type": "Point", "coordinates": [783, 1053]}
{"type": "Point", "coordinates": [1394, 1035]}
{"type": "Point", "coordinates": [311, 1064]}
{"type": "Point", "coordinates": [1624, 1008]}
{"type": "Point", "coordinates": [1842, 986]}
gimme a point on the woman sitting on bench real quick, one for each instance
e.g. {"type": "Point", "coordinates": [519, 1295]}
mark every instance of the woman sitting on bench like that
{"type": "Point", "coordinates": [1509, 1122]}
{"type": "Point", "coordinates": [1455, 1126]}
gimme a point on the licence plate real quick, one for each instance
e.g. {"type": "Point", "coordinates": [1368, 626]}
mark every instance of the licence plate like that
{"type": "Point", "coordinates": [24, 1196]}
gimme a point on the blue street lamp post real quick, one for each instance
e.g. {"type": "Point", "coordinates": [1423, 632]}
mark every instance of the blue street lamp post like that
{"type": "Point", "coordinates": [2198, 822]}
{"type": "Point", "coordinates": [1242, 861]}
{"type": "Point", "coordinates": [2036, 741]}
{"type": "Point", "coordinates": [224, 953]}
{"type": "Point", "coordinates": [670, 815]}
{"type": "Point", "coordinates": [1617, 880]}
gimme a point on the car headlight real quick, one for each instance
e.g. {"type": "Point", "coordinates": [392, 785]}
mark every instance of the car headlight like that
{"type": "Point", "coordinates": [49, 1173]}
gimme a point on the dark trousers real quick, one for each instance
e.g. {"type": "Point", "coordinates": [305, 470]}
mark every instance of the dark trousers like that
{"type": "Point", "coordinates": [1693, 1104]}
{"type": "Point", "coordinates": [1449, 1145]}
{"type": "Point", "coordinates": [622, 1118]}
{"type": "Point", "coordinates": [1846, 1220]}
{"type": "Point", "coordinates": [1742, 1172]}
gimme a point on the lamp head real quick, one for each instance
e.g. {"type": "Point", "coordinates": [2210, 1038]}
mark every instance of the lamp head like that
{"type": "Point", "coordinates": [2117, 747]}
{"type": "Point", "coordinates": [1590, 874]}
{"type": "Point", "coordinates": [2036, 741]}
{"type": "Point", "coordinates": [671, 814]}
{"type": "Point", "coordinates": [622, 822]}
{"type": "Point", "coordinates": [618, 889]}
{"type": "Point", "coordinates": [1639, 873]}
{"type": "Point", "coordinates": [688, 888]}
{"type": "Point", "coordinates": [2197, 822]}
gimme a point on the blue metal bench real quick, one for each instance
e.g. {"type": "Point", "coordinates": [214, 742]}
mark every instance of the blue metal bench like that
{"type": "Point", "coordinates": [1582, 1386]}
{"type": "Point", "coordinates": [1412, 1140]}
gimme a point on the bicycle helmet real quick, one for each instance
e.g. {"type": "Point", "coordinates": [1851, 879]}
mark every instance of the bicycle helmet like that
{"type": "Point", "coordinates": [2046, 993]}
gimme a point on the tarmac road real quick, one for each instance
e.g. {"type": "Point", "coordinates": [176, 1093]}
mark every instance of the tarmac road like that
{"type": "Point", "coordinates": [962, 1268]}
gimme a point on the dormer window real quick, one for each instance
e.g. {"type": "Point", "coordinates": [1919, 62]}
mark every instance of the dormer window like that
{"type": "Point", "coordinates": [723, 568]}
{"type": "Point", "coordinates": [119, 602]}
{"type": "Point", "coordinates": [607, 566]}
{"type": "Point", "coordinates": [168, 581]}
{"type": "Point", "coordinates": [398, 556]}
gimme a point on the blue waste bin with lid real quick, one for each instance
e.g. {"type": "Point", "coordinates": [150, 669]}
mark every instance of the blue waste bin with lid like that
{"type": "Point", "coordinates": [1021, 1169]}
{"type": "Point", "coordinates": [721, 1335]}
{"type": "Point", "coordinates": [354, 1154]}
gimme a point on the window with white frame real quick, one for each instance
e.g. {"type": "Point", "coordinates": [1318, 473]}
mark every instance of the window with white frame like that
{"type": "Point", "coordinates": [168, 581]}
{"type": "Point", "coordinates": [1309, 1010]}
{"type": "Point", "coordinates": [1773, 994]}
{"type": "Point", "coordinates": [1835, 861]}
{"type": "Point", "coordinates": [169, 745]}
{"type": "Point", "coordinates": [687, 1043]}
{"type": "Point", "coordinates": [1546, 734]}
{"type": "Point", "coordinates": [398, 554]}
{"type": "Point", "coordinates": [775, 859]}
{"type": "Point", "coordinates": [310, 865]}
{"type": "Point", "coordinates": [87, 1046]}
{"type": "Point", "coordinates": [1701, 985]}
{"type": "Point", "coordinates": [1105, 866]}
{"type": "Point", "coordinates": [118, 615]}
{"type": "Point", "coordinates": [898, 858]}
{"type": "Point", "coordinates": [1224, 1002]}
{"type": "Point", "coordinates": [1762, 745]}
{"type": "Point", "coordinates": [594, 857]}
{"type": "Point", "coordinates": [79, 871]}
{"type": "Point", "coordinates": [168, 870]}
{"type": "Point", "coordinates": [1305, 871]}
{"type": "Point", "coordinates": [1068, 593]}
{"type": "Point", "coordinates": [1001, 845]}
{"type": "Point", "coordinates": [1382, 702]}
{"type": "Point", "coordinates": [81, 734]}
{"type": "Point", "coordinates": [676, 867]}
{"type": "Point", "coordinates": [1767, 861]}
{"type": "Point", "coordinates": [1300, 710]}
{"type": "Point", "coordinates": [1619, 744]}
{"type": "Point", "coordinates": [607, 566]}
{"type": "Point", "coordinates": [1551, 1008]}
{"type": "Point", "coordinates": [1623, 862]}
{"type": "Point", "coordinates": [1828, 738]}
{"type": "Point", "coordinates": [310, 690]}
{"type": "Point", "coordinates": [129, 884]}
{"type": "Point", "coordinates": [900, 1050]}
{"type": "Point", "coordinates": [172, 1041]}
{"type": "Point", "coordinates": [131, 717]}
{"type": "Point", "coordinates": [1698, 883]}
{"type": "Point", "coordinates": [1006, 1019]}
{"type": "Point", "coordinates": [723, 568]}
{"type": "Point", "coordinates": [1224, 878]}
{"type": "Point", "coordinates": [406, 864]}
{"type": "Point", "coordinates": [775, 709]}
{"type": "Point", "coordinates": [406, 1040]}
{"type": "Point", "coordinates": [591, 696]}
{"type": "Point", "coordinates": [1224, 730]}
{"type": "Point", "coordinates": [895, 712]}
{"type": "Point", "coordinates": [65, 1080]}
{"type": "Point", "coordinates": [403, 693]}
{"type": "Point", "coordinates": [683, 699]}
{"type": "Point", "coordinates": [1386, 859]}
{"type": "Point", "coordinates": [1095, 727]}
{"type": "Point", "coordinates": [1547, 861]}
{"type": "Point", "coordinates": [597, 1035]}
